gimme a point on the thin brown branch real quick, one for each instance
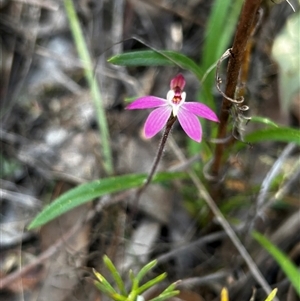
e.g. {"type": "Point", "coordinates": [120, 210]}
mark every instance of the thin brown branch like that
{"type": "Point", "coordinates": [243, 33]}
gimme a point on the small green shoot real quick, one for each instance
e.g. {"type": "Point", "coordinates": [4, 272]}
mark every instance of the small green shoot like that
{"type": "Point", "coordinates": [115, 274]}
{"type": "Point", "coordinates": [135, 293]}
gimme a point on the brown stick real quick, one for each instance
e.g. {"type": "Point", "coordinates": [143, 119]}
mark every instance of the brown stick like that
{"type": "Point", "coordinates": [243, 33]}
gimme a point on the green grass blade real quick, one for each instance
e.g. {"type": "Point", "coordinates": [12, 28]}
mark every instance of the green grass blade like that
{"type": "Point", "coordinates": [219, 31]}
{"type": "Point", "coordinates": [112, 296]}
{"type": "Point", "coordinates": [151, 283]}
{"type": "Point", "coordinates": [144, 270]}
{"type": "Point", "coordinates": [88, 191]}
{"type": "Point", "coordinates": [230, 24]}
{"type": "Point", "coordinates": [145, 58]}
{"type": "Point", "coordinates": [283, 134]}
{"type": "Point", "coordinates": [170, 288]}
{"type": "Point", "coordinates": [94, 88]}
{"type": "Point", "coordinates": [214, 31]}
{"type": "Point", "coordinates": [84, 193]}
{"type": "Point", "coordinates": [115, 274]}
{"type": "Point", "coordinates": [264, 120]}
{"type": "Point", "coordinates": [272, 295]}
{"type": "Point", "coordinates": [165, 296]}
{"type": "Point", "coordinates": [283, 261]}
{"type": "Point", "coordinates": [107, 286]}
{"type": "Point", "coordinates": [156, 58]}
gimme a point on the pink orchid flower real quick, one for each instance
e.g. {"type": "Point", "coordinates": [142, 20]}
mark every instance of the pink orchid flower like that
{"type": "Point", "coordinates": [175, 104]}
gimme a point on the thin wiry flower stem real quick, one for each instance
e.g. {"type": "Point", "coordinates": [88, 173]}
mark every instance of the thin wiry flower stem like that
{"type": "Point", "coordinates": [161, 147]}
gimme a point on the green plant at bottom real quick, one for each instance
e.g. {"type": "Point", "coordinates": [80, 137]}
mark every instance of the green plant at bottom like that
{"type": "Point", "coordinates": [121, 294]}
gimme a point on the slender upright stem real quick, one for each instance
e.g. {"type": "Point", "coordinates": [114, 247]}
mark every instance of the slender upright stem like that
{"type": "Point", "coordinates": [161, 147]}
{"type": "Point", "coordinates": [243, 33]}
{"type": "Point", "coordinates": [93, 85]}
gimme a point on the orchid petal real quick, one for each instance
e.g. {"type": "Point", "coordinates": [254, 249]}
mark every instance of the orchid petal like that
{"type": "Point", "coordinates": [200, 110]}
{"type": "Point", "coordinates": [190, 124]}
{"type": "Point", "coordinates": [147, 102]}
{"type": "Point", "coordinates": [156, 120]}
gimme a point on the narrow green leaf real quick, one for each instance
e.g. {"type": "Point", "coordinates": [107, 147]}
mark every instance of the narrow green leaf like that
{"type": "Point", "coordinates": [103, 282]}
{"type": "Point", "coordinates": [218, 34]}
{"type": "Point", "coordinates": [231, 20]}
{"type": "Point", "coordinates": [283, 261]}
{"type": "Point", "coordinates": [272, 295]}
{"type": "Point", "coordinates": [115, 274]}
{"type": "Point", "coordinates": [282, 134]}
{"type": "Point", "coordinates": [151, 283]}
{"type": "Point", "coordinates": [89, 191]}
{"type": "Point", "coordinates": [171, 287]}
{"type": "Point", "coordinates": [93, 85]}
{"type": "Point", "coordinates": [165, 296]}
{"type": "Point", "coordinates": [113, 296]}
{"type": "Point", "coordinates": [83, 194]}
{"type": "Point", "coordinates": [214, 31]}
{"type": "Point", "coordinates": [156, 58]}
{"type": "Point", "coordinates": [135, 284]}
{"type": "Point", "coordinates": [168, 176]}
{"type": "Point", "coordinates": [140, 58]}
{"type": "Point", "coordinates": [102, 287]}
{"type": "Point", "coordinates": [131, 275]}
{"type": "Point", "coordinates": [144, 270]}
{"type": "Point", "coordinates": [264, 120]}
